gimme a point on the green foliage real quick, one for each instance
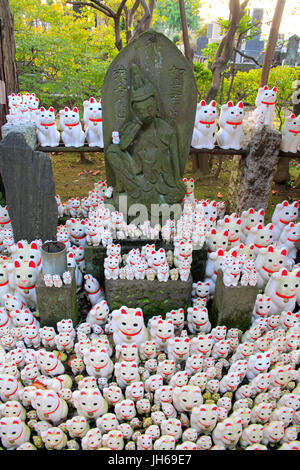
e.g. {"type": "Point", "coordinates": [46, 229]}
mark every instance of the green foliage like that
{"type": "Point", "coordinates": [169, 15]}
{"type": "Point", "coordinates": [246, 84]}
{"type": "Point", "coordinates": [203, 78]}
{"type": "Point", "coordinates": [61, 57]}
{"type": "Point", "coordinates": [209, 52]}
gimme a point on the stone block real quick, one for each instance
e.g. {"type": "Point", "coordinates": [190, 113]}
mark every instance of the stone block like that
{"type": "Point", "coordinates": [232, 306]}
{"type": "Point", "coordinates": [29, 188]}
{"type": "Point", "coordinates": [27, 129]}
{"type": "Point", "coordinates": [199, 264]}
{"type": "Point", "coordinates": [154, 297]}
{"type": "Point", "coordinates": [56, 303]}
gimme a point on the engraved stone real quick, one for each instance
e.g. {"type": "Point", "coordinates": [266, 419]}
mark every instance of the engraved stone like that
{"type": "Point", "coordinates": [149, 97]}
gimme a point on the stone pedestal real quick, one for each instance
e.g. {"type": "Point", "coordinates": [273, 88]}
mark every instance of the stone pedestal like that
{"type": "Point", "coordinates": [257, 169]}
{"type": "Point", "coordinates": [56, 303]}
{"type": "Point", "coordinates": [232, 306]}
{"type": "Point", "coordinates": [154, 297]}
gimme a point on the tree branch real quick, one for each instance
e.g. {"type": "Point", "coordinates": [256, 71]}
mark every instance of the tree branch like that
{"type": "Point", "coordinates": [247, 56]}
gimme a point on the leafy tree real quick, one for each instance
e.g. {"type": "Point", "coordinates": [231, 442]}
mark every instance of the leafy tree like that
{"type": "Point", "coordinates": [61, 56]}
{"type": "Point", "coordinates": [169, 15]}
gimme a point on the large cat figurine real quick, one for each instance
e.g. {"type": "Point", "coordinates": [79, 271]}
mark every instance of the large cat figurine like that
{"type": "Point", "coordinates": [231, 134]}
{"type": "Point", "coordinates": [92, 117]}
{"type": "Point", "coordinates": [72, 135]}
{"type": "Point", "coordinates": [47, 133]}
{"type": "Point", "coordinates": [204, 135]}
{"type": "Point", "coordinates": [264, 113]}
{"type": "Point", "coordinates": [291, 134]}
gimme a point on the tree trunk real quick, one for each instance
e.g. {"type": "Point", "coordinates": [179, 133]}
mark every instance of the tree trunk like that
{"type": "Point", "coordinates": [272, 41]}
{"type": "Point", "coordinates": [8, 65]}
{"type": "Point", "coordinates": [185, 35]}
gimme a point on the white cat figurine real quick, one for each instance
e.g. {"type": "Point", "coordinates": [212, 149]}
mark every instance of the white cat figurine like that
{"type": "Point", "coordinates": [204, 135]}
{"type": "Point", "coordinates": [291, 134]}
{"type": "Point", "coordinates": [92, 117]}
{"type": "Point", "coordinates": [47, 133]}
{"type": "Point", "coordinates": [72, 135]}
{"type": "Point", "coordinates": [265, 105]}
{"type": "Point", "coordinates": [231, 134]}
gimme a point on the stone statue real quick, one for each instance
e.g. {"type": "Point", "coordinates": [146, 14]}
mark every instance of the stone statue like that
{"type": "Point", "coordinates": [149, 98]}
{"type": "Point", "coordinates": [146, 162]}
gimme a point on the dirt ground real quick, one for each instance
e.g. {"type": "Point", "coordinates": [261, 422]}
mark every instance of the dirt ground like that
{"type": "Point", "coordinates": [74, 178]}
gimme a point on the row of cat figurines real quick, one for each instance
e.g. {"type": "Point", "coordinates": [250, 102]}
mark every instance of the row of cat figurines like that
{"type": "Point", "coordinates": [231, 133]}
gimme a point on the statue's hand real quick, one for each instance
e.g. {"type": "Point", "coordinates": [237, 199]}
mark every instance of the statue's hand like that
{"type": "Point", "coordinates": [129, 133]}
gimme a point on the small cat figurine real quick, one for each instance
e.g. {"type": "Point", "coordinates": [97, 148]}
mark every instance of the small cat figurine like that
{"type": "Point", "coordinates": [47, 133]}
{"type": "Point", "coordinates": [291, 134]}
{"type": "Point", "coordinates": [72, 135]}
{"type": "Point", "coordinates": [231, 134]}
{"type": "Point", "coordinates": [204, 135]}
{"type": "Point", "coordinates": [92, 117]}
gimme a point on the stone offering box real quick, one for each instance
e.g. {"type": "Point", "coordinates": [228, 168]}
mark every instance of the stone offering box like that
{"type": "Point", "coordinates": [232, 306]}
{"type": "Point", "coordinates": [56, 303]}
{"type": "Point", "coordinates": [153, 297]}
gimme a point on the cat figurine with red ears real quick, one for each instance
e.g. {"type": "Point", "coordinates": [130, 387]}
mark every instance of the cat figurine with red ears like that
{"type": "Point", "coordinates": [291, 134]}
{"type": "Point", "coordinates": [204, 135]}
{"type": "Point", "coordinates": [72, 135]}
{"type": "Point", "coordinates": [231, 134]}
{"type": "Point", "coordinates": [47, 133]}
{"type": "Point", "coordinates": [25, 275]}
{"type": "Point", "coordinates": [265, 105]}
{"type": "Point", "coordinates": [284, 214]}
{"type": "Point", "coordinates": [92, 117]}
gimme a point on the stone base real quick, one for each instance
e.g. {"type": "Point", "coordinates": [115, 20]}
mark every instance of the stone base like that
{"type": "Point", "coordinates": [232, 306]}
{"type": "Point", "coordinates": [56, 303]}
{"type": "Point", "coordinates": [153, 297]}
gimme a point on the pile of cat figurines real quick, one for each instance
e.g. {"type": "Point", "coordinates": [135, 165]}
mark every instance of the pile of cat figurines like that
{"type": "Point", "coordinates": [117, 381]}
{"type": "Point", "coordinates": [230, 134]}
{"type": "Point", "coordinates": [25, 108]}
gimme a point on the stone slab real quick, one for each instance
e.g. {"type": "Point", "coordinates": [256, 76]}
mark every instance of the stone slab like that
{"type": "Point", "coordinates": [154, 297]}
{"type": "Point", "coordinates": [29, 188]}
{"type": "Point", "coordinates": [199, 264]}
{"type": "Point", "coordinates": [257, 169]}
{"type": "Point", "coordinates": [56, 303]}
{"type": "Point", "coordinates": [28, 130]}
{"type": "Point", "coordinates": [232, 306]}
